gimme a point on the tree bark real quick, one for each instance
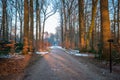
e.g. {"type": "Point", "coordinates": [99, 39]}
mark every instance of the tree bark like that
{"type": "Point", "coordinates": [91, 28]}
{"type": "Point", "coordinates": [31, 26]}
{"type": "Point", "coordinates": [4, 19]}
{"type": "Point", "coordinates": [26, 27]}
{"type": "Point", "coordinates": [65, 25]}
{"type": "Point", "coordinates": [118, 23]}
{"type": "Point", "coordinates": [105, 28]}
{"type": "Point", "coordinates": [16, 21]}
{"type": "Point", "coordinates": [37, 23]}
{"type": "Point", "coordinates": [61, 24]}
{"type": "Point", "coordinates": [81, 25]}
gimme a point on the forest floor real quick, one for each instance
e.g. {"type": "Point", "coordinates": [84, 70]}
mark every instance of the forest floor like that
{"type": "Point", "coordinates": [56, 65]}
{"type": "Point", "coordinates": [13, 68]}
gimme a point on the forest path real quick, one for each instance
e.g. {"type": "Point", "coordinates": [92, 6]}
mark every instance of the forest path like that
{"type": "Point", "coordinates": [58, 65]}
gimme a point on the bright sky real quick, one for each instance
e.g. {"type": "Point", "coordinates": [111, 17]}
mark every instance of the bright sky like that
{"type": "Point", "coordinates": [51, 23]}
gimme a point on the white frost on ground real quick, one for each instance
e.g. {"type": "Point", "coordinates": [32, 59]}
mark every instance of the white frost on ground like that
{"type": "Point", "coordinates": [15, 56]}
{"type": "Point", "coordinates": [42, 53]}
{"type": "Point", "coordinates": [5, 56]}
{"type": "Point", "coordinates": [85, 55]}
{"type": "Point", "coordinates": [73, 52]}
{"type": "Point", "coordinates": [77, 53]}
{"type": "Point", "coordinates": [54, 47]}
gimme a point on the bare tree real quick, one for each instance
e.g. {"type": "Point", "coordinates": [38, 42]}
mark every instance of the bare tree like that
{"type": "Point", "coordinates": [37, 22]}
{"type": "Point", "coordinates": [16, 19]}
{"type": "Point", "coordinates": [105, 27]}
{"type": "Point", "coordinates": [31, 26]}
{"type": "Point", "coordinates": [91, 28]}
{"type": "Point", "coordinates": [4, 12]}
{"type": "Point", "coordinates": [48, 10]}
{"type": "Point", "coordinates": [64, 23]}
{"type": "Point", "coordinates": [61, 23]}
{"type": "Point", "coordinates": [81, 25]}
{"type": "Point", "coordinates": [26, 27]}
{"type": "Point", "coordinates": [118, 23]}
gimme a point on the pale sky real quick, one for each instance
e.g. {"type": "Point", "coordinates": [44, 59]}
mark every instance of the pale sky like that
{"type": "Point", "coordinates": [51, 23]}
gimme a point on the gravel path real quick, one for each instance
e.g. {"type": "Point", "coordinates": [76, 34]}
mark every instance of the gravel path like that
{"type": "Point", "coordinates": [58, 65]}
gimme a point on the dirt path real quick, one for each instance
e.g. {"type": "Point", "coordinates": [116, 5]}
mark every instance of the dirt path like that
{"type": "Point", "coordinates": [58, 65]}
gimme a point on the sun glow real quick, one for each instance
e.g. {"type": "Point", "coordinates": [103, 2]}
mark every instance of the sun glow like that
{"type": "Point", "coordinates": [51, 23]}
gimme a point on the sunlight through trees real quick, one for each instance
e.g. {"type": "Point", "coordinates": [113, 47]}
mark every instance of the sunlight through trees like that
{"type": "Point", "coordinates": [85, 25]}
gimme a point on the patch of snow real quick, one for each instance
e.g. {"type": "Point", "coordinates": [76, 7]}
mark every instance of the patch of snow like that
{"type": "Point", "coordinates": [54, 47]}
{"type": "Point", "coordinates": [17, 56]}
{"type": "Point", "coordinates": [76, 50]}
{"type": "Point", "coordinates": [12, 56]}
{"type": "Point", "coordinates": [5, 56]}
{"type": "Point", "coordinates": [42, 53]}
{"type": "Point", "coordinates": [77, 53]}
{"type": "Point", "coordinates": [73, 52]}
{"type": "Point", "coordinates": [81, 54]}
{"type": "Point", "coordinates": [85, 55]}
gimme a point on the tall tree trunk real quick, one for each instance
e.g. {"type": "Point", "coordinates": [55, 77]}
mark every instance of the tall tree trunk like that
{"type": "Point", "coordinates": [37, 23]}
{"type": "Point", "coordinates": [90, 32]}
{"type": "Point", "coordinates": [114, 21]}
{"type": "Point", "coordinates": [81, 25]}
{"type": "Point", "coordinates": [39, 18]}
{"type": "Point", "coordinates": [61, 24]}
{"type": "Point", "coordinates": [1, 30]}
{"type": "Point", "coordinates": [7, 29]}
{"type": "Point", "coordinates": [31, 25]}
{"type": "Point", "coordinates": [26, 27]}
{"type": "Point", "coordinates": [3, 19]}
{"type": "Point", "coordinates": [43, 34]}
{"type": "Point", "coordinates": [16, 22]}
{"type": "Point", "coordinates": [21, 31]}
{"type": "Point", "coordinates": [11, 29]}
{"type": "Point", "coordinates": [69, 30]}
{"type": "Point", "coordinates": [70, 35]}
{"type": "Point", "coordinates": [118, 23]}
{"type": "Point", "coordinates": [65, 25]}
{"type": "Point", "coordinates": [105, 28]}
{"type": "Point", "coordinates": [86, 22]}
